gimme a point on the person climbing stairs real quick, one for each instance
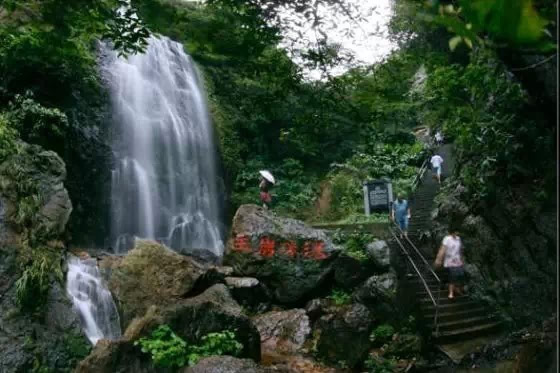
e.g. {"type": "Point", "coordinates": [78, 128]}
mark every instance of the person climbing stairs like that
{"type": "Point", "coordinates": [450, 320]}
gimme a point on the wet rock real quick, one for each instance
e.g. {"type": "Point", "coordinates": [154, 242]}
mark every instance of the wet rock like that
{"type": "Point", "coordinates": [290, 258]}
{"type": "Point", "coordinates": [283, 332]}
{"type": "Point", "coordinates": [380, 253]}
{"type": "Point", "coordinates": [43, 172]}
{"type": "Point", "coordinates": [349, 272]}
{"type": "Point", "coordinates": [56, 342]}
{"type": "Point", "coordinates": [249, 292]}
{"type": "Point", "coordinates": [315, 308]}
{"type": "Point", "coordinates": [378, 293]}
{"type": "Point", "coordinates": [298, 364]}
{"type": "Point", "coordinates": [344, 336]}
{"type": "Point", "coordinates": [404, 345]}
{"type": "Point", "coordinates": [225, 364]}
{"type": "Point", "coordinates": [212, 311]}
{"type": "Point", "coordinates": [378, 288]}
{"type": "Point", "coordinates": [203, 256]}
{"type": "Point", "coordinates": [150, 274]}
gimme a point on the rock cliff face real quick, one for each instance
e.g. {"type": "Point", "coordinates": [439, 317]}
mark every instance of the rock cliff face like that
{"type": "Point", "coordinates": [33, 199]}
{"type": "Point", "coordinates": [32, 178]}
{"type": "Point", "coordinates": [510, 248]}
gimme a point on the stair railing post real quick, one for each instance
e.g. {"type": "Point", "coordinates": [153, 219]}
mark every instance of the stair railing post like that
{"type": "Point", "coordinates": [436, 324]}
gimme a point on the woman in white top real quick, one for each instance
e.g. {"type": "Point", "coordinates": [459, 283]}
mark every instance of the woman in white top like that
{"type": "Point", "coordinates": [453, 261]}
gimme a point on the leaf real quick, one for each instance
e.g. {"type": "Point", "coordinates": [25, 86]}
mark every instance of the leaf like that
{"type": "Point", "coordinates": [454, 42]}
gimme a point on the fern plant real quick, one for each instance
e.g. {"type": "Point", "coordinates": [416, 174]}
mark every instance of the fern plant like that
{"type": "Point", "coordinates": [168, 350]}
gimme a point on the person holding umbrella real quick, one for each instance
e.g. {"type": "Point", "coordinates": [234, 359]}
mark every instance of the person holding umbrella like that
{"type": "Point", "coordinates": [267, 181]}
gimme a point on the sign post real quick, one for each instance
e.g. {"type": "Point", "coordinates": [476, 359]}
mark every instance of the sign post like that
{"type": "Point", "coordinates": [378, 196]}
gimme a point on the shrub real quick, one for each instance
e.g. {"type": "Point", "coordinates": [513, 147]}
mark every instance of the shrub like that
{"type": "Point", "coordinates": [166, 348]}
{"type": "Point", "coordinates": [380, 365]}
{"type": "Point", "coordinates": [8, 137]}
{"type": "Point", "coordinates": [36, 123]}
{"type": "Point", "coordinates": [382, 334]}
{"type": "Point", "coordinates": [32, 288]}
{"type": "Point", "coordinates": [340, 297]}
{"type": "Point", "coordinates": [354, 243]}
{"type": "Point", "coordinates": [169, 350]}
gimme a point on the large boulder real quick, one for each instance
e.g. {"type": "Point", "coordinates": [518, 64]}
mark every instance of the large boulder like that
{"type": "Point", "coordinates": [212, 311]}
{"type": "Point", "coordinates": [225, 364]}
{"type": "Point", "coordinates": [33, 178]}
{"type": "Point", "coordinates": [379, 252]}
{"type": "Point", "coordinates": [378, 288]}
{"type": "Point", "coordinates": [150, 274]}
{"type": "Point", "coordinates": [349, 271]}
{"type": "Point", "coordinates": [249, 292]}
{"type": "Point", "coordinates": [379, 294]}
{"type": "Point", "coordinates": [344, 335]}
{"type": "Point", "coordinates": [283, 332]}
{"type": "Point", "coordinates": [33, 200]}
{"type": "Point", "coordinates": [289, 257]}
{"type": "Point", "coordinates": [53, 341]}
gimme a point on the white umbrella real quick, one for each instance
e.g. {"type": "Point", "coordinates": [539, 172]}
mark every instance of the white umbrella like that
{"type": "Point", "coordinates": [268, 176]}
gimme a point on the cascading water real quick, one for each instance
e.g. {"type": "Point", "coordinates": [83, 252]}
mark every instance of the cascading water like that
{"type": "Point", "coordinates": [92, 300]}
{"type": "Point", "coordinates": [164, 185]}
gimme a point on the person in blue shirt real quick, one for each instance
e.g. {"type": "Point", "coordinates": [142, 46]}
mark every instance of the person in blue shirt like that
{"type": "Point", "coordinates": [401, 213]}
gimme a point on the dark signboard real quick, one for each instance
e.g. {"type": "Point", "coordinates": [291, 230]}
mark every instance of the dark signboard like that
{"type": "Point", "coordinates": [378, 196]}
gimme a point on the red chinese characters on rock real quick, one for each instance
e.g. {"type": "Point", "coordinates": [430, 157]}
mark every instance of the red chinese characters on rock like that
{"type": "Point", "coordinates": [314, 250]}
{"type": "Point", "coordinates": [289, 249]}
{"type": "Point", "coordinates": [241, 243]}
{"type": "Point", "coordinates": [266, 247]}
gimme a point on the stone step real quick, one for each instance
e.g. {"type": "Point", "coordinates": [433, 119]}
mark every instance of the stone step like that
{"type": "Point", "coordinates": [456, 315]}
{"type": "Point", "coordinates": [464, 323]}
{"type": "Point", "coordinates": [449, 307]}
{"type": "Point", "coordinates": [466, 333]}
{"type": "Point", "coordinates": [443, 300]}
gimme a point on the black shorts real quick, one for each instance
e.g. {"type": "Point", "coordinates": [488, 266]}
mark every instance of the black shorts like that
{"type": "Point", "coordinates": [456, 275]}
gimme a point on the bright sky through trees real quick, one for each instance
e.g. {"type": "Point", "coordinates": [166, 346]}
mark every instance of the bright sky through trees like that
{"type": "Point", "coordinates": [365, 40]}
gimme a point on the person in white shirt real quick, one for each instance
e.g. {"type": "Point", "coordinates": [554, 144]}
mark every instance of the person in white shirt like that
{"type": "Point", "coordinates": [453, 261]}
{"type": "Point", "coordinates": [439, 138]}
{"type": "Point", "coordinates": [436, 162]}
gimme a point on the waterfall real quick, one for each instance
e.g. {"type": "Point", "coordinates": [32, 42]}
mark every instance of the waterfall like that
{"type": "Point", "coordinates": [92, 300]}
{"type": "Point", "coordinates": [164, 184]}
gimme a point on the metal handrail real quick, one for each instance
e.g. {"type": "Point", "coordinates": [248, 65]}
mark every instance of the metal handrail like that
{"type": "Point", "coordinates": [415, 183]}
{"type": "Point", "coordinates": [423, 258]}
{"type": "Point", "coordinates": [415, 268]}
{"type": "Point", "coordinates": [420, 174]}
{"type": "Point", "coordinates": [435, 303]}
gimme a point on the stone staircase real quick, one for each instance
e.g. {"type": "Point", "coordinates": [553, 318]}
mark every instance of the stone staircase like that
{"type": "Point", "coordinates": [458, 319]}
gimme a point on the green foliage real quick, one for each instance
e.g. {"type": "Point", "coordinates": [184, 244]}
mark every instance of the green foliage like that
{"type": "Point", "coordinates": [499, 143]}
{"type": "Point", "coordinates": [169, 350]}
{"type": "Point", "coordinates": [515, 24]}
{"type": "Point", "coordinates": [166, 348]}
{"type": "Point", "coordinates": [380, 365]}
{"type": "Point", "coordinates": [382, 334]}
{"type": "Point", "coordinates": [8, 137]}
{"type": "Point", "coordinates": [340, 297]}
{"type": "Point", "coordinates": [222, 343]}
{"type": "Point", "coordinates": [34, 122]}
{"type": "Point", "coordinates": [395, 161]}
{"type": "Point", "coordinates": [354, 243]}
{"type": "Point", "coordinates": [77, 346]}
{"type": "Point", "coordinates": [33, 286]}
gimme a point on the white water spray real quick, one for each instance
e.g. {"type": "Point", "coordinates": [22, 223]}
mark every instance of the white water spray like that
{"type": "Point", "coordinates": [92, 300]}
{"type": "Point", "coordinates": [164, 185]}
